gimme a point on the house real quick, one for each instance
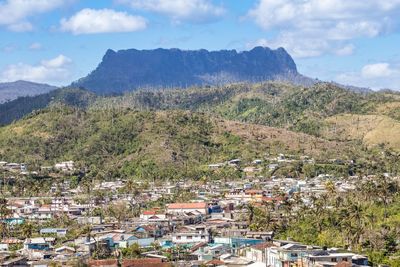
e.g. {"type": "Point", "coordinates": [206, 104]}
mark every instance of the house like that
{"type": "Point", "coordinates": [65, 249]}
{"type": "Point", "coordinates": [188, 237]}
{"type": "Point", "coordinates": [18, 261]}
{"type": "Point", "coordinates": [328, 258]}
{"type": "Point", "coordinates": [145, 262]}
{"type": "Point", "coordinates": [64, 253]}
{"type": "Point", "coordinates": [117, 239]}
{"type": "Point", "coordinates": [59, 232]}
{"type": "Point", "coordinates": [3, 247]}
{"type": "Point", "coordinates": [197, 207]}
{"type": "Point", "coordinates": [38, 243]}
{"type": "Point", "coordinates": [214, 263]}
{"type": "Point", "coordinates": [234, 162]}
{"type": "Point", "coordinates": [208, 252]}
{"type": "Point", "coordinates": [289, 254]}
{"type": "Point", "coordinates": [257, 161]}
{"type": "Point", "coordinates": [65, 166]}
{"type": "Point", "coordinates": [258, 253]}
{"type": "Point", "coordinates": [236, 243]}
{"type": "Point", "coordinates": [12, 166]}
{"type": "Point", "coordinates": [152, 215]}
{"type": "Point", "coordinates": [90, 220]}
{"type": "Point", "coordinates": [103, 263]}
{"type": "Point", "coordinates": [260, 235]}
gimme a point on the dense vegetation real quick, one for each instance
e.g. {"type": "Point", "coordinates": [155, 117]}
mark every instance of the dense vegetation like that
{"type": "Point", "coordinates": [314, 110]}
{"type": "Point", "coordinates": [364, 220]}
{"type": "Point", "coordinates": [167, 144]}
{"type": "Point", "coordinates": [14, 110]}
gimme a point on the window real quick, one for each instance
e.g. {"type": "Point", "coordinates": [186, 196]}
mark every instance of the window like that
{"type": "Point", "coordinates": [333, 260]}
{"type": "Point", "coordinates": [178, 237]}
{"type": "Point", "coordinates": [189, 237]}
{"type": "Point", "coordinates": [293, 255]}
{"type": "Point", "coordinates": [344, 259]}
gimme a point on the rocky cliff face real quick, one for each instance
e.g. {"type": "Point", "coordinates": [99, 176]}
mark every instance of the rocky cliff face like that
{"type": "Point", "coordinates": [131, 69]}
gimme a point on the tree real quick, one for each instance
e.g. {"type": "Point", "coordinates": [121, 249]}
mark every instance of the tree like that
{"type": "Point", "coordinates": [27, 229]}
{"type": "Point", "coordinates": [119, 211]}
{"type": "Point", "coordinates": [133, 251]}
{"type": "Point", "coordinates": [5, 212]}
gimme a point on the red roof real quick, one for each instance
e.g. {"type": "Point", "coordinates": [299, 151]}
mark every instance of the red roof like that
{"type": "Point", "coordinates": [215, 262]}
{"type": "Point", "coordinates": [12, 240]}
{"type": "Point", "coordinates": [201, 205]}
{"type": "Point", "coordinates": [147, 262]}
{"type": "Point", "coordinates": [108, 263]}
{"type": "Point", "coordinates": [262, 246]}
{"type": "Point", "coordinates": [270, 199]}
{"type": "Point", "coordinates": [343, 264]}
{"type": "Point", "coordinates": [253, 191]}
{"type": "Point", "coordinates": [149, 212]}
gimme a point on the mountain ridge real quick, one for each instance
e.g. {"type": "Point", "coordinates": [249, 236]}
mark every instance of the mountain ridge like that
{"type": "Point", "coordinates": [126, 70]}
{"type": "Point", "coordinates": [12, 90]}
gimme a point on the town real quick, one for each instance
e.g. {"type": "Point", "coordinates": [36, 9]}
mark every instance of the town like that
{"type": "Point", "coordinates": [208, 222]}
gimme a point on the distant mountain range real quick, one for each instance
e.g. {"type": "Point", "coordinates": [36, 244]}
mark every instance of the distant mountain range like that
{"type": "Point", "coordinates": [127, 70]}
{"type": "Point", "coordinates": [12, 90]}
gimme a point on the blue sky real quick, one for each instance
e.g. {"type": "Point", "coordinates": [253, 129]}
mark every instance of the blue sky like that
{"type": "Point", "coordinates": [58, 41]}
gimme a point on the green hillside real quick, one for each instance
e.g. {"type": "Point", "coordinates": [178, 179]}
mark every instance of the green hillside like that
{"type": "Point", "coordinates": [168, 144]}
{"type": "Point", "coordinates": [174, 129]}
{"type": "Point", "coordinates": [309, 110]}
{"type": "Point", "coordinates": [16, 109]}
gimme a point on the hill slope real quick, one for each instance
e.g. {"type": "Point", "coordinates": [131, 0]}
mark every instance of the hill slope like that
{"type": "Point", "coordinates": [13, 90]}
{"type": "Point", "coordinates": [170, 143]}
{"type": "Point", "coordinates": [18, 108]}
{"type": "Point", "coordinates": [131, 69]}
{"type": "Point", "coordinates": [302, 109]}
{"type": "Point", "coordinates": [323, 110]}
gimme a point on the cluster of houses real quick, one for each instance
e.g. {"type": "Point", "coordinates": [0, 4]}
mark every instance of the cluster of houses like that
{"type": "Point", "coordinates": [195, 233]}
{"type": "Point", "coordinates": [212, 229]}
{"type": "Point", "coordinates": [22, 168]}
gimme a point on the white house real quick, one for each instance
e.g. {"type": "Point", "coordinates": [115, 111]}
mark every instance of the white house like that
{"type": "Point", "coordinates": [65, 166]}
{"type": "Point", "coordinates": [179, 208]}
{"type": "Point", "coordinates": [190, 237]}
{"type": "Point", "coordinates": [152, 215]}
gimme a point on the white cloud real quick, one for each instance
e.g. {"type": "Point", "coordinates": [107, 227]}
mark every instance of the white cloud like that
{"type": "Point", "coordinates": [55, 71]}
{"type": "Point", "coordinates": [329, 25]}
{"type": "Point", "coordinates": [57, 62]}
{"type": "Point", "coordinates": [297, 47]}
{"type": "Point", "coordinates": [9, 48]}
{"type": "Point", "coordinates": [377, 76]}
{"type": "Point", "coordinates": [90, 21]}
{"type": "Point", "coordinates": [196, 11]}
{"type": "Point", "coordinates": [14, 13]}
{"type": "Point", "coordinates": [35, 46]}
{"type": "Point", "coordinates": [345, 50]}
{"type": "Point", "coordinates": [377, 70]}
{"type": "Point", "coordinates": [21, 27]}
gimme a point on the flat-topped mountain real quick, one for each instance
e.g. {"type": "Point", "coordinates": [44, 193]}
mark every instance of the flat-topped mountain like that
{"type": "Point", "coordinates": [127, 70]}
{"type": "Point", "coordinates": [12, 90]}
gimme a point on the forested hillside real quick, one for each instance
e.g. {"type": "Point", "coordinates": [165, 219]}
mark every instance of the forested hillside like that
{"type": "Point", "coordinates": [14, 110]}
{"type": "Point", "coordinates": [168, 143]}
{"type": "Point", "coordinates": [323, 110]}
{"type": "Point", "coordinates": [315, 110]}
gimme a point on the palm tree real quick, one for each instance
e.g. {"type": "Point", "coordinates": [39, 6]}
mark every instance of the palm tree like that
{"type": "Point", "coordinates": [251, 210]}
{"type": "Point", "coordinates": [27, 229]}
{"type": "Point", "coordinates": [5, 212]}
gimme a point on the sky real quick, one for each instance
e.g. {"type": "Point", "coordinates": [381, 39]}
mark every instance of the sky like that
{"type": "Point", "coordinates": [58, 41]}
